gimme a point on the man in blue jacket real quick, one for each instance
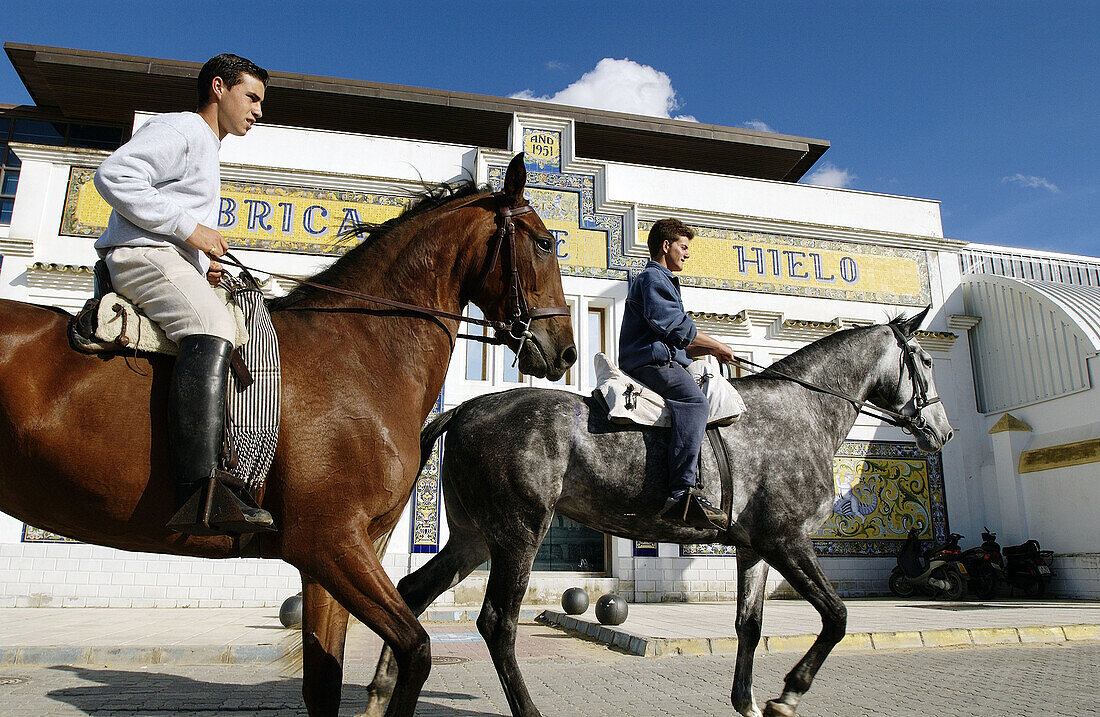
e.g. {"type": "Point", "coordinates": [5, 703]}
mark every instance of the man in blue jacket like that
{"type": "Point", "coordinates": [656, 344]}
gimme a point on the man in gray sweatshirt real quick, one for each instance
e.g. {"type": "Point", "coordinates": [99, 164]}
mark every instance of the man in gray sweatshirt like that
{"type": "Point", "coordinates": [160, 248]}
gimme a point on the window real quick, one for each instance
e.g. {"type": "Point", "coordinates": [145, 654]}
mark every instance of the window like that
{"type": "Point", "coordinates": [58, 134]}
{"type": "Point", "coordinates": [597, 338]}
{"type": "Point", "coordinates": [477, 352]}
{"type": "Point", "coordinates": [9, 173]}
{"type": "Point", "coordinates": [511, 373]}
{"type": "Point", "coordinates": [570, 546]}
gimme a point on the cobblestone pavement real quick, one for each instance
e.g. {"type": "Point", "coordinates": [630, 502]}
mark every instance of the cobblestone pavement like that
{"type": "Point", "coordinates": [581, 678]}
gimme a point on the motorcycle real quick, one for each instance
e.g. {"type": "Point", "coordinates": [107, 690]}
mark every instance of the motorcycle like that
{"type": "Point", "coordinates": [1028, 568]}
{"type": "Point", "coordinates": [984, 565]}
{"type": "Point", "coordinates": [937, 571]}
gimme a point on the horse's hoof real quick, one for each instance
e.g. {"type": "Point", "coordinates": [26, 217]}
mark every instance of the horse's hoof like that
{"type": "Point", "coordinates": [778, 709]}
{"type": "Point", "coordinates": [749, 710]}
{"type": "Point", "coordinates": [376, 707]}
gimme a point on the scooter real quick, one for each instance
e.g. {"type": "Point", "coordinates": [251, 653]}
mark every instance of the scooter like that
{"type": "Point", "coordinates": [936, 572]}
{"type": "Point", "coordinates": [1028, 568]}
{"type": "Point", "coordinates": [985, 566]}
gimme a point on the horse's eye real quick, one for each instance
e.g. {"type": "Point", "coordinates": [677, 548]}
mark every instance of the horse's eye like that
{"type": "Point", "coordinates": [545, 243]}
{"type": "Point", "coordinates": [927, 361]}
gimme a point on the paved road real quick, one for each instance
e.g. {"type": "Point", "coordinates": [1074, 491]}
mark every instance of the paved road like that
{"type": "Point", "coordinates": [578, 678]}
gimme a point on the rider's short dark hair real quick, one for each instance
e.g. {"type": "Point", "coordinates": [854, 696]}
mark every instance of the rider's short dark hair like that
{"type": "Point", "coordinates": [230, 68]}
{"type": "Point", "coordinates": [666, 230]}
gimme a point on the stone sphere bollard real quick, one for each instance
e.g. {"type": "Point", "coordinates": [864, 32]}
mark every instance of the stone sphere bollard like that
{"type": "Point", "coordinates": [574, 601]}
{"type": "Point", "coordinates": [611, 610]}
{"type": "Point", "coordinates": [290, 614]}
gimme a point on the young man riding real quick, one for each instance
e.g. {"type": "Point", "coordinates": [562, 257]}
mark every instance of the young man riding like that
{"type": "Point", "coordinates": [657, 342]}
{"type": "Point", "coordinates": [164, 187]}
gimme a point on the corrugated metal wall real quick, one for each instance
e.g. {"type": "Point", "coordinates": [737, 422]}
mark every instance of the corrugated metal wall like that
{"type": "Point", "coordinates": [1027, 348]}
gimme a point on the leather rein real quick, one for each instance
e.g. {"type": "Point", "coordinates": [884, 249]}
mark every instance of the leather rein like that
{"type": "Point", "coordinates": [907, 422]}
{"type": "Point", "coordinates": [517, 325]}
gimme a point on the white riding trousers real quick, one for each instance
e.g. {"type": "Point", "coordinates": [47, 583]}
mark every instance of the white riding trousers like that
{"type": "Point", "coordinates": [170, 291]}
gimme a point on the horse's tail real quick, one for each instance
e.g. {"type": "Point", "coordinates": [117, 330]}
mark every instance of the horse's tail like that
{"type": "Point", "coordinates": [429, 433]}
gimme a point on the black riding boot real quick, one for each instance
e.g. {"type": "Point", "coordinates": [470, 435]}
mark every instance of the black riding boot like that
{"type": "Point", "coordinates": [196, 423]}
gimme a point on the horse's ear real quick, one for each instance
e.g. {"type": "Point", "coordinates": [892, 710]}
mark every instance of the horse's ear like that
{"type": "Point", "coordinates": [910, 325]}
{"type": "Point", "coordinates": [515, 179]}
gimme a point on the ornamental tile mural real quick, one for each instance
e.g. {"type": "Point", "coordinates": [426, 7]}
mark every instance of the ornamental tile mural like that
{"type": "Point", "coordinates": [255, 216]}
{"type": "Point", "coordinates": [785, 264]}
{"type": "Point", "coordinates": [881, 488]}
{"type": "Point", "coordinates": [426, 497]}
{"type": "Point", "coordinates": [32, 534]}
{"type": "Point", "coordinates": [588, 244]}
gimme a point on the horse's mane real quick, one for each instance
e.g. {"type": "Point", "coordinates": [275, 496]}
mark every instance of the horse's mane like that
{"type": "Point", "coordinates": [431, 198]}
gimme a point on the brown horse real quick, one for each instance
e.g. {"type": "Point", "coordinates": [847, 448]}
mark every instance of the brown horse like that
{"type": "Point", "coordinates": [83, 437]}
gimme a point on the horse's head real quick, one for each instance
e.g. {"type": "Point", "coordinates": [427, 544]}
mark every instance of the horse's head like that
{"type": "Point", "coordinates": [519, 283]}
{"type": "Point", "coordinates": [909, 388]}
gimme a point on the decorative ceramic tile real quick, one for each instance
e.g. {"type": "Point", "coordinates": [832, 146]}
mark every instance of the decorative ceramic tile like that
{"type": "Point", "coordinates": [427, 497]}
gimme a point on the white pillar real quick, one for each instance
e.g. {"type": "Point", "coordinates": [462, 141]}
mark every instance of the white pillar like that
{"type": "Point", "coordinates": [1010, 437]}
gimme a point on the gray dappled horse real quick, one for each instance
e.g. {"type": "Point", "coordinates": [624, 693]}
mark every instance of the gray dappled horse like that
{"type": "Point", "coordinates": [511, 459]}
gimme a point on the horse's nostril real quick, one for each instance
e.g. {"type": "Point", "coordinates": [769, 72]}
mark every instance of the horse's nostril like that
{"type": "Point", "coordinates": [569, 356]}
{"type": "Point", "coordinates": [949, 435]}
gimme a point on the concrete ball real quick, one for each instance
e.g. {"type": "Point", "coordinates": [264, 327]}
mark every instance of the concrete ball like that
{"type": "Point", "coordinates": [611, 610]}
{"type": "Point", "coordinates": [574, 601]}
{"type": "Point", "coordinates": [290, 614]}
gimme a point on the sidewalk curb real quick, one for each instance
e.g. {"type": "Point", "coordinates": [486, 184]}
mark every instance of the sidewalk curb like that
{"type": "Point", "coordinates": [42, 656]}
{"type": "Point", "coordinates": [643, 646]}
{"type": "Point", "coordinates": [184, 655]}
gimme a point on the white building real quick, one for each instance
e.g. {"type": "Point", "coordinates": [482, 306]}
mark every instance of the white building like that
{"type": "Point", "coordinates": [776, 264]}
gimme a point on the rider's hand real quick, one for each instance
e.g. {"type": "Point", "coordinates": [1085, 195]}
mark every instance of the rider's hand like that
{"type": "Point", "coordinates": [724, 353]}
{"type": "Point", "coordinates": [215, 273]}
{"type": "Point", "coordinates": [208, 240]}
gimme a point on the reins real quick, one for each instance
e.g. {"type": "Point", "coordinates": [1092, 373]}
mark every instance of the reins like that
{"type": "Point", "coordinates": [894, 418]}
{"type": "Point", "coordinates": [520, 318]}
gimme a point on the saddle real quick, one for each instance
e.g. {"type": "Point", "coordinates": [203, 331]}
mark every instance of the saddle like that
{"type": "Point", "coordinates": [110, 323]}
{"type": "Point", "coordinates": [629, 401]}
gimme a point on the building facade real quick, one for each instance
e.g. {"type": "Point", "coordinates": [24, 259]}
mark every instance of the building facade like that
{"type": "Point", "coordinates": [775, 265]}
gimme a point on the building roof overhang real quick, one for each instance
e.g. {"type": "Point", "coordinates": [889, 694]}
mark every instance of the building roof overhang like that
{"type": "Point", "coordinates": [103, 87]}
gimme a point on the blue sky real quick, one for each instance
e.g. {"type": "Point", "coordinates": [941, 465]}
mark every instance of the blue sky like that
{"type": "Point", "coordinates": [990, 108]}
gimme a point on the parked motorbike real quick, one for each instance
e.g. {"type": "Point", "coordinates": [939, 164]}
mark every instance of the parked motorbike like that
{"type": "Point", "coordinates": [985, 566]}
{"type": "Point", "coordinates": [937, 571]}
{"type": "Point", "coordinates": [1028, 568]}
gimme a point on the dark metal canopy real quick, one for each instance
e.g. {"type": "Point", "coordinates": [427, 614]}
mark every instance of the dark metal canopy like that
{"type": "Point", "coordinates": [101, 87]}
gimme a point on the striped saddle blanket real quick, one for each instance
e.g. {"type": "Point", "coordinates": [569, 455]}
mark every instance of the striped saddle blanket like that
{"type": "Point", "coordinates": [114, 325]}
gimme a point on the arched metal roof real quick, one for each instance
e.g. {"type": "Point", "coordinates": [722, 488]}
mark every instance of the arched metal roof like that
{"type": "Point", "coordinates": [1033, 341]}
{"type": "Point", "coordinates": [1081, 303]}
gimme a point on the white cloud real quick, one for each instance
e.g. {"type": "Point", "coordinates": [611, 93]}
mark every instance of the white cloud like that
{"type": "Point", "coordinates": [619, 86]}
{"type": "Point", "coordinates": [1032, 182]}
{"type": "Point", "coordinates": [555, 65]}
{"type": "Point", "coordinates": [828, 174]}
{"type": "Point", "coordinates": [758, 125]}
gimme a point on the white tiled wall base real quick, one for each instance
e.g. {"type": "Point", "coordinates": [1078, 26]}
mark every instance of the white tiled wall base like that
{"type": "Point", "coordinates": [1077, 575]}
{"type": "Point", "coordinates": [671, 578]}
{"type": "Point", "coordinates": [62, 575]}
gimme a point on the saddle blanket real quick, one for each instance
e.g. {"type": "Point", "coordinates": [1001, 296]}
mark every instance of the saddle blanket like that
{"type": "Point", "coordinates": [120, 325]}
{"type": "Point", "coordinates": [253, 403]}
{"type": "Point", "coordinates": [629, 401]}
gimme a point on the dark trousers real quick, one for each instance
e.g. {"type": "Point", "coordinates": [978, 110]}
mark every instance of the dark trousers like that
{"type": "Point", "coordinates": [689, 409]}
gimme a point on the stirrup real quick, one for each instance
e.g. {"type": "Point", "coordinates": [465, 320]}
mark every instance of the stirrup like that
{"type": "Point", "coordinates": [215, 509]}
{"type": "Point", "coordinates": [694, 511]}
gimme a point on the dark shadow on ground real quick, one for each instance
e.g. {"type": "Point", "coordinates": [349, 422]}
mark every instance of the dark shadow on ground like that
{"type": "Point", "coordinates": [141, 691]}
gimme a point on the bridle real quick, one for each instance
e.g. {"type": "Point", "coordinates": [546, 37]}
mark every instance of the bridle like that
{"type": "Point", "coordinates": [518, 322]}
{"type": "Point", "coordinates": [520, 314]}
{"type": "Point", "coordinates": [921, 399]}
{"type": "Point", "coordinates": [908, 422]}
